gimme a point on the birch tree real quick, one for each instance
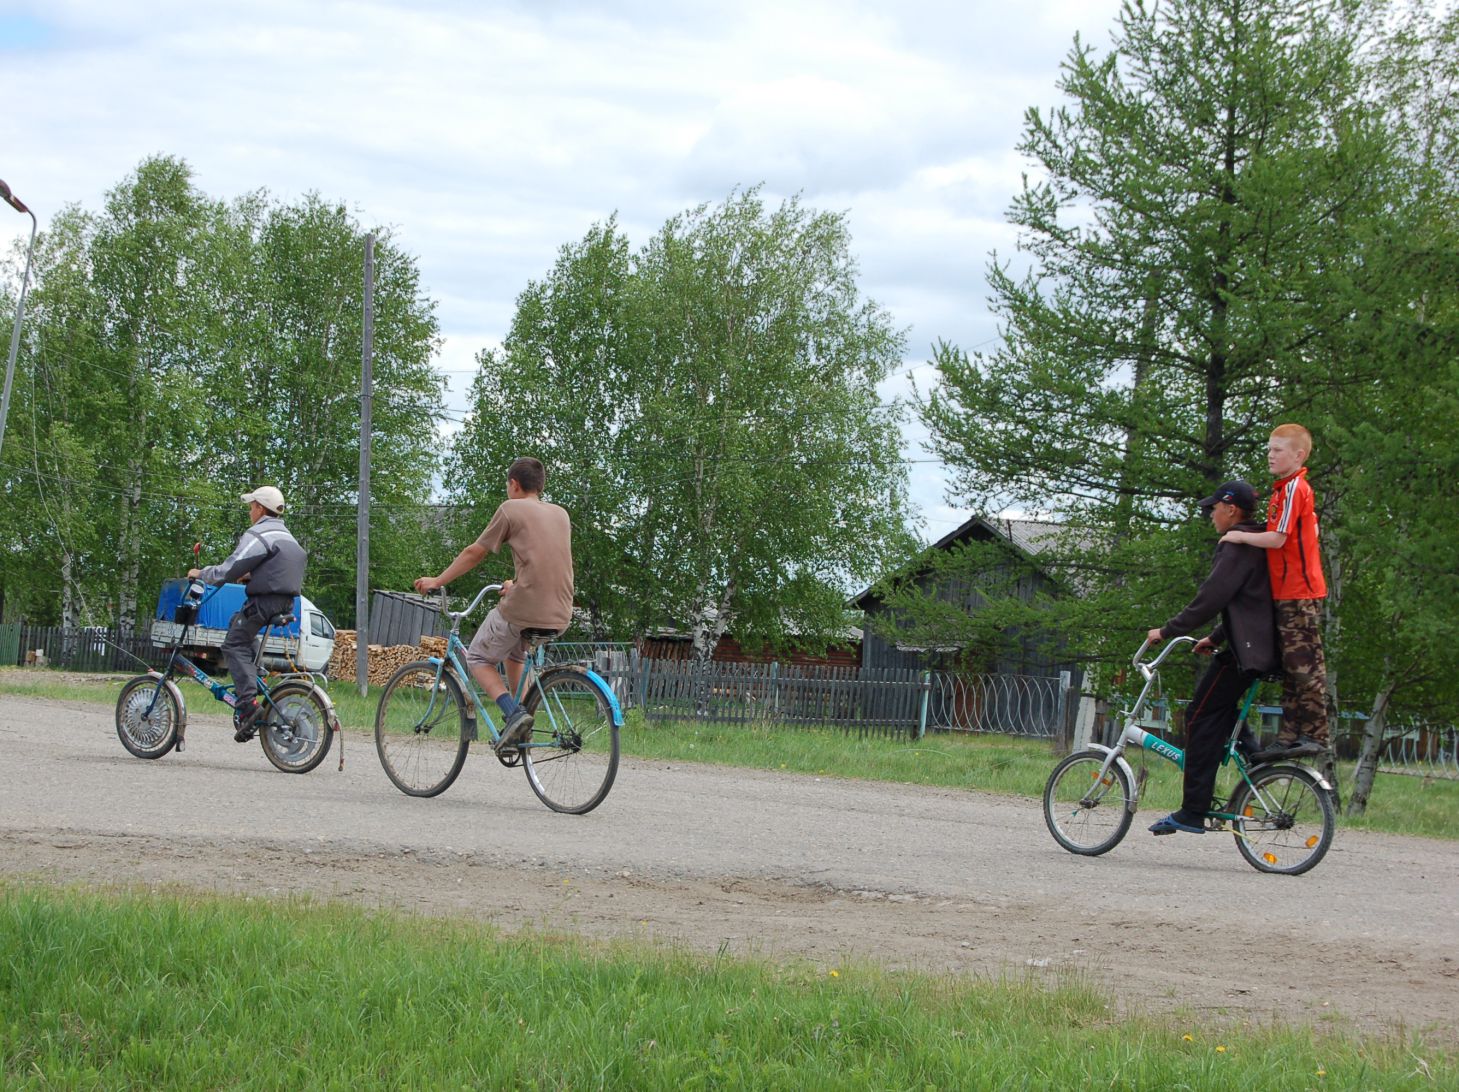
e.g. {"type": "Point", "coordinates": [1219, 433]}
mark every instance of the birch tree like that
{"type": "Point", "coordinates": [714, 395]}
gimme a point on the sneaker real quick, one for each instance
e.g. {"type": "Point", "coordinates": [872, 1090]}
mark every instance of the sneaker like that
{"type": "Point", "coordinates": [1177, 821]}
{"type": "Point", "coordinates": [518, 730]}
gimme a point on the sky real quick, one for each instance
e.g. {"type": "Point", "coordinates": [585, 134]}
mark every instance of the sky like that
{"type": "Point", "coordinates": [485, 135]}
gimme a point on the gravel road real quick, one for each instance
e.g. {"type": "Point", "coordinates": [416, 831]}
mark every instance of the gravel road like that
{"type": "Point", "coordinates": [777, 865]}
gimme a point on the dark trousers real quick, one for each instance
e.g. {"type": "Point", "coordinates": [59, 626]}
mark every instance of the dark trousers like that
{"type": "Point", "coordinates": [242, 632]}
{"type": "Point", "coordinates": [1208, 722]}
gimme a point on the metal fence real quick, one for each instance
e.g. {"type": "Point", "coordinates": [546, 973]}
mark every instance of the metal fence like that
{"type": "Point", "coordinates": [615, 661]}
{"type": "Point", "coordinates": [1019, 705]}
{"type": "Point", "coordinates": [1420, 749]}
{"type": "Point", "coordinates": [885, 701]}
{"type": "Point", "coordinates": [882, 702]}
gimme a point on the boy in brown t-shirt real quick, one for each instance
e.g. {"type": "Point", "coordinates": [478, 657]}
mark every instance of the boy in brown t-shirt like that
{"type": "Point", "coordinates": [538, 597]}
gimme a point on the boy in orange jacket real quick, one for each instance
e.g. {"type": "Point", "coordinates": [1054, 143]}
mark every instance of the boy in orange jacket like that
{"type": "Point", "coordinates": [1298, 588]}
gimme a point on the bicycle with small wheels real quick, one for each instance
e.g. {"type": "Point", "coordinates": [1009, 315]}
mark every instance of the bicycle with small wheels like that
{"type": "Point", "coordinates": [1281, 814]}
{"type": "Point", "coordinates": [298, 719]}
{"type": "Point", "coordinates": [425, 723]}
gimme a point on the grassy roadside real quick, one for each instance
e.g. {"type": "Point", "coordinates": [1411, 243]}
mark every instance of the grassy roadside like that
{"type": "Point", "coordinates": [131, 990]}
{"type": "Point", "coordinates": [998, 764]}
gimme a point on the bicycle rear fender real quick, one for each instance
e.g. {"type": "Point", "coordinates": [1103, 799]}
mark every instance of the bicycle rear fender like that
{"type": "Point", "coordinates": [328, 703]}
{"type": "Point", "coordinates": [602, 685]}
{"type": "Point", "coordinates": [1129, 773]}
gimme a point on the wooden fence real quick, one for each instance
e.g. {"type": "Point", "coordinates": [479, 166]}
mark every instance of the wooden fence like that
{"type": "Point", "coordinates": [89, 648]}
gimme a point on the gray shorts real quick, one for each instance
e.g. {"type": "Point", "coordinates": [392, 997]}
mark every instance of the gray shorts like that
{"type": "Point", "coordinates": [496, 640]}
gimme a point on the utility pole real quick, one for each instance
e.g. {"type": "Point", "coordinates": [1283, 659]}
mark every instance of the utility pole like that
{"type": "Point", "coordinates": [362, 515]}
{"type": "Point", "coordinates": [19, 206]}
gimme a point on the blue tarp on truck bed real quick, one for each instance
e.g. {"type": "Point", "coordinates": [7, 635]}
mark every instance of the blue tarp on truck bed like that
{"type": "Point", "coordinates": [219, 605]}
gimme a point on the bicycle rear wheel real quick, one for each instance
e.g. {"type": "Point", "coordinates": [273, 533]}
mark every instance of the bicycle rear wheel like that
{"type": "Point", "coordinates": [572, 758]}
{"type": "Point", "coordinates": [297, 734]}
{"type": "Point", "coordinates": [148, 721]}
{"type": "Point", "coordinates": [421, 729]}
{"type": "Point", "coordinates": [1085, 813]}
{"type": "Point", "coordinates": [1284, 820]}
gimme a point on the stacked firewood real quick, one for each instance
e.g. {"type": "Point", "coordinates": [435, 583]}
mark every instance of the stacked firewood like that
{"type": "Point", "coordinates": [384, 660]}
{"type": "Point", "coordinates": [342, 660]}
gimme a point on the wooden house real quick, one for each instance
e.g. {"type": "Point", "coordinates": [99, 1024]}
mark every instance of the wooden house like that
{"type": "Point", "coordinates": [1033, 653]}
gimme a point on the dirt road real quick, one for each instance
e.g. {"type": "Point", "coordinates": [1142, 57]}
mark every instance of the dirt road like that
{"type": "Point", "coordinates": [785, 866]}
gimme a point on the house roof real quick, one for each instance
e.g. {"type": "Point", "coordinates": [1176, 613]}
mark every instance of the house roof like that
{"type": "Point", "coordinates": [1030, 537]}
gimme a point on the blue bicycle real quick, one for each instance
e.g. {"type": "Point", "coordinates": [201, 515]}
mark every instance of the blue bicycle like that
{"type": "Point", "coordinates": [298, 724]}
{"type": "Point", "coordinates": [1281, 814]}
{"type": "Point", "coordinates": [424, 724]}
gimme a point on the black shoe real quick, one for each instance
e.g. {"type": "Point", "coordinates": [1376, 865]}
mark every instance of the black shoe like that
{"type": "Point", "coordinates": [1248, 749]}
{"type": "Point", "coordinates": [245, 721]}
{"type": "Point", "coordinates": [518, 730]}
{"type": "Point", "coordinates": [1303, 747]}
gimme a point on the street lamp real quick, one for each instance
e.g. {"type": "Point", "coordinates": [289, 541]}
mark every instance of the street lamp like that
{"type": "Point", "coordinates": [19, 206]}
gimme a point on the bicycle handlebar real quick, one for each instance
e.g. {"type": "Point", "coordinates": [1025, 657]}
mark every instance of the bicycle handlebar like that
{"type": "Point", "coordinates": [457, 615]}
{"type": "Point", "coordinates": [1148, 669]}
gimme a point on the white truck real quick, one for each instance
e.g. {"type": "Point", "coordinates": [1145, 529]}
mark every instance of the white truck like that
{"type": "Point", "coordinates": [308, 641]}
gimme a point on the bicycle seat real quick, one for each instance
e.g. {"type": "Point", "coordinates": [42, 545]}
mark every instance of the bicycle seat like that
{"type": "Point", "coordinates": [539, 634]}
{"type": "Point", "coordinates": [283, 619]}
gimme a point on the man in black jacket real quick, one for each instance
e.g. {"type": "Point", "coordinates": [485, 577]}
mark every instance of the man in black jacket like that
{"type": "Point", "coordinates": [1239, 590]}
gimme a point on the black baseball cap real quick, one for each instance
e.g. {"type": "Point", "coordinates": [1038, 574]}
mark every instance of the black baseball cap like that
{"type": "Point", "coordinates": [1235, 492]}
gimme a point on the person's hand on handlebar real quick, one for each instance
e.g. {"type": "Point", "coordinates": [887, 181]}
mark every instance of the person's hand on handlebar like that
{"type": "Point", "coordinates": [506, 586]}
{"type": "Point", "coordinates": [1203, 647]}
{"type": "Point", "coordinates": [426, 584]}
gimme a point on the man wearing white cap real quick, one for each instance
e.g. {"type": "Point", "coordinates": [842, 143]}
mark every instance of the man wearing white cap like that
{"type": "Point", "coordinates": [271, 563]}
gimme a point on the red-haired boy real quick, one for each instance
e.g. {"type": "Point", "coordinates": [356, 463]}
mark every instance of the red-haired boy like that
{"type": "Point", "coordinates": [1298, 588]}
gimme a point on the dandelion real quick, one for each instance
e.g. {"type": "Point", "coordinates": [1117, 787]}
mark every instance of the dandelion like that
{"type": "Point", "coordinates": [1189, 1038]}
{"type": "Point", "coordinates": [1322, 1073]}
{"type": "Point", "coordinates": [1220, 1050]}
{"type": "Point", "coordinates": [835, 974]}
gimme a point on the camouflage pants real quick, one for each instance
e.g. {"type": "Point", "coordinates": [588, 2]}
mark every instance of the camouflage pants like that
{"type": "Point", "coordinates": [1304, 670]}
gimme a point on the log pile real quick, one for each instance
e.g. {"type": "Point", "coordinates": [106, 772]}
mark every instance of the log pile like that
{"type": "Point", "coordinates": [384, 660]}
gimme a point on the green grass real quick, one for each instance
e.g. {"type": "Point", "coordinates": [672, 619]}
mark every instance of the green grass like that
{"type": "Point", "coordinates": [987, 763]}
{"type": "Point", "coordinates": [113, 990]}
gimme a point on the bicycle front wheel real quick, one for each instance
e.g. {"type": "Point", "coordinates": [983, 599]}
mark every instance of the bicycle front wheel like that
{"type": "Point", "coordinates": [1284, 820]}
{"type": "Point", "coordinates": [148, 717]}
{"type": "Point", "coordinates": [297, 733]}
{"type": "Point", "coordinates": [421, 729]}
{"type": "Point", "coordinates": [1086, 813]}
{"type": "Point", "coordinates": [572, 758]}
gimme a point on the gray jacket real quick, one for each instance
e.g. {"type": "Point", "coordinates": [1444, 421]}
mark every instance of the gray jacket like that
{"type": "Point", "coordinates": [269, 554]}
{"type": "Point", "coordinates": [1239, 589]}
